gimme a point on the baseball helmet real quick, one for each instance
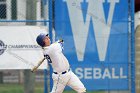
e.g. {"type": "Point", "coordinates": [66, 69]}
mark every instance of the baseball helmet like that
{"type": "Point", "coordinates": [40, 39]}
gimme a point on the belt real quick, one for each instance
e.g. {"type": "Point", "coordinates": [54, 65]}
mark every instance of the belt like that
{"type": "Point", "coordinates": [62, 72]}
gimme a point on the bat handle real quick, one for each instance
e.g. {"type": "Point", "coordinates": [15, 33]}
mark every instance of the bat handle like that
{"type": "Point", "coordinates": [36, 67]}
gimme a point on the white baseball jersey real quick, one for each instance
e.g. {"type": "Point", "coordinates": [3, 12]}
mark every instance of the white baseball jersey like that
{"type": "Point", "coordinates": [60, 64]}
{"type": "Point", "coordinates": [55, 56]}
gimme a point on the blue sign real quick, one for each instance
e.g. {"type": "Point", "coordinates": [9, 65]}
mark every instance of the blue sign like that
{"type": "Point", "coordinates": [96, 40]}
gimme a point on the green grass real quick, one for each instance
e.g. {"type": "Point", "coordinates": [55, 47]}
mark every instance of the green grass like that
{"type": "Point", "coordinates": [17, 88]}
{"type": "Point", "coordinates": [10, 88]}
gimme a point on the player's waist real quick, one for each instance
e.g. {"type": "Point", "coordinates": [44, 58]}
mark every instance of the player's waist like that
{"type": "Point", "coordinates": [64, 72]}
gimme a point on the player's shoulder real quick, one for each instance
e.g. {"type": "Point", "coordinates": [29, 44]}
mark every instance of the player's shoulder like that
{"type": "Point", "coordinates": [50, 48]}
{"type": "Point", "coordinates": [53, 45]}
{"type": "Point", "coordinates": [47, 50]}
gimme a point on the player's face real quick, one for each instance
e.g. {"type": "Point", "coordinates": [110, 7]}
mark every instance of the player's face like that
{"type": "Point", "coordinates": [47, 41]}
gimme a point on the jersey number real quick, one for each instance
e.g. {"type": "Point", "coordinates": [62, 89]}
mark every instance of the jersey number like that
{"type": "Point", "coordinates": [48, 58]}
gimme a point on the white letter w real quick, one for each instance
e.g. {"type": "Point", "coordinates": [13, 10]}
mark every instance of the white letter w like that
{"type": "Point", "coordinates": [95, 11]}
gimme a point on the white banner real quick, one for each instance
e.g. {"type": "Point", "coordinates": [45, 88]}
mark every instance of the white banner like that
{"type": "Point", "coordinates": [18, 47]}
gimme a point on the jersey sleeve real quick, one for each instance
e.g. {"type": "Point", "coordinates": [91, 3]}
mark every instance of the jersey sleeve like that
{"type": "Point", "coordinates": [46, 53]}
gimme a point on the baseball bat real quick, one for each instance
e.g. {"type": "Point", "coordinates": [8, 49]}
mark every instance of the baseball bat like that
{"type": "Point", "coordinates": [36, 67]}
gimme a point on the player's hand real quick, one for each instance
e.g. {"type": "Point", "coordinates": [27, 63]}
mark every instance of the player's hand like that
{"type": "Point", "coordinates": [61, 40]}
{"type": "Point", "coordinates": [34, 69]}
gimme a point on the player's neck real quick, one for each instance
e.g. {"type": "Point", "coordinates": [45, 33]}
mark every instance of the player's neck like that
{"type": "Point", "coordinates": [46, 45]}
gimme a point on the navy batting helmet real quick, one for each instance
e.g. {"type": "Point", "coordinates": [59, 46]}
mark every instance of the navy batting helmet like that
{"type": "Point", "coordinates": [40, 39]}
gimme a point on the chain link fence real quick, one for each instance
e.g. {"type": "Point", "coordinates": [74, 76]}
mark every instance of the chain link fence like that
{"type": "Point", "coordinates": [23, 13]}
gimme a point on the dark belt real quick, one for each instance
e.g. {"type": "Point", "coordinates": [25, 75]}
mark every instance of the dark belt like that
{"type": "Point", "coordinates": [62, 72]}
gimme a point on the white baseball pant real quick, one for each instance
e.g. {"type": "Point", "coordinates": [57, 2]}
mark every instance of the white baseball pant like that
{"type": "Point", "coordinates": [70, 79]}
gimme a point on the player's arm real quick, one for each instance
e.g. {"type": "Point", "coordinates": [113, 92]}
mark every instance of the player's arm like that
{"type": "Point", "coordinates": [61, 42]}
{"type": "Point", "coordinates": [57, 46]}
{"type": "Point", "coordinates": [60, 45]}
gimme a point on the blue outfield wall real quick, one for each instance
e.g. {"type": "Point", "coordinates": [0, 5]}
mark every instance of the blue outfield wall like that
{"type": "Point", "coordinates": [96, 41]}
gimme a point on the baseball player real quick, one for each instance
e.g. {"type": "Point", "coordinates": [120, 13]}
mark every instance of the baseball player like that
{"type": "Point", "coordinates": [62, 75]}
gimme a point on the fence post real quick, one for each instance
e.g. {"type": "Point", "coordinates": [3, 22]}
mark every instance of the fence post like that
{"type": "Point", "coordinates": [132, 47]}
{"type": "Point", "coordinates": [1, 77]}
